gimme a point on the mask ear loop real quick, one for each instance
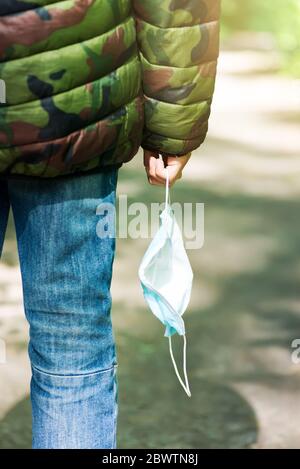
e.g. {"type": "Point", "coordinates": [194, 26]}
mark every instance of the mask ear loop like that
{"type": "Point", "coordinates": [167, 199]}
{"type": "Point", "coordinates": [185, 385]}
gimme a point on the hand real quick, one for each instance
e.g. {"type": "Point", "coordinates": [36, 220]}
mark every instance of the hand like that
{"type": "Point", "coordinates": [155, 167]}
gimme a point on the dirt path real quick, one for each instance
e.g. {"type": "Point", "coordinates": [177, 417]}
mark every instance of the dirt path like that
{"type": "Point", "coordinates": [245, 308]}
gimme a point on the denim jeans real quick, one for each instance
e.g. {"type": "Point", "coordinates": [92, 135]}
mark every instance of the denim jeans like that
{"type": "Point", "coordinates": [66, 274]}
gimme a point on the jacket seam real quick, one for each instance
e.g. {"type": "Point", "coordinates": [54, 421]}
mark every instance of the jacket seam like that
{"type": "Point", "coordinates": [125, 20]}
{"type": "Point", "coordinates": [198, 102]}
{"type": "Point", "coordinates": [24, 145]}
{"type": "Point", "coordinates": [176, 66]}
{"type": "Point", "coordinates": [176, 139]}
{"type": "Point", "coordinates": [131, 59]}
{"type": "Point", "coordinates": [176, 27]}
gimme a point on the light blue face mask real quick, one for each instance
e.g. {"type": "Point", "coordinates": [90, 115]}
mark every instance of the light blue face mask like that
{"type": "Point", "coordinates": [166, 277]}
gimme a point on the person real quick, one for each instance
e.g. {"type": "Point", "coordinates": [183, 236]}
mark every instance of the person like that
{"type": "Point", "coordinates": [87, 83]}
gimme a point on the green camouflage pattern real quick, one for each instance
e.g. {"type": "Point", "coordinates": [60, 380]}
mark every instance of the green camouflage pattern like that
{"type": "Point", "coordinates": [90, 81]}
{"type": "Point", "coordinates": [179, 45]}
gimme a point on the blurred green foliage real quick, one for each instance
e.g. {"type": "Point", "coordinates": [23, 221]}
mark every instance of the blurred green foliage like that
{"type": "Point", "coordinates": [279, 17]}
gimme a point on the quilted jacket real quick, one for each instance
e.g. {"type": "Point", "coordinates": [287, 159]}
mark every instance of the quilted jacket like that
{"type": "Point", "coordinates": [85, 83]}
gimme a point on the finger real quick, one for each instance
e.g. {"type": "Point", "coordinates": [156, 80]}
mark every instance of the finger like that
{"type": "Point", "coordinates": [171, 160]}
{"type": "Point", "coordinates": [154, 182]}
{"type": "Point", "coordinates": [151, 171]}
{"type": "Point", "coordinates": [160, 171]}
{"type": "Point", "coordinates": [174, 171]}
{"type": "Point", "coordinates": [147, 155]}
{"type": "Point", "coordinates": [153, 164]}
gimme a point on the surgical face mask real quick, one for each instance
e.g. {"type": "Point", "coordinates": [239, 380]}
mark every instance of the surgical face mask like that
{"type": "Point", "coordinates": [166, 277]}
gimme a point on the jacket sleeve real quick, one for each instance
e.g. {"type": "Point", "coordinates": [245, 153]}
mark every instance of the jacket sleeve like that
{"type": "Point", "coordinates": [178, 43]}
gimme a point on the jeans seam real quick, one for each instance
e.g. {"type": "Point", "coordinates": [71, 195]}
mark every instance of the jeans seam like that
{"type": "Point", "coordinates": [80, 375]}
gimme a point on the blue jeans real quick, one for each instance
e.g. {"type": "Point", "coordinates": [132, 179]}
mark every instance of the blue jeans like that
{"type": "Point", "coordinates": [66, 273]}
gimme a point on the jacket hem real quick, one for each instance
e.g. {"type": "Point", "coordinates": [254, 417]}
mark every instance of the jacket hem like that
{"type": "Point", "coordinates": [98, 169]}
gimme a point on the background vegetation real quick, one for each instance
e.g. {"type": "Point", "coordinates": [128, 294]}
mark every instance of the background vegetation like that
{"type": "Point", "coordinates": [281, 18]}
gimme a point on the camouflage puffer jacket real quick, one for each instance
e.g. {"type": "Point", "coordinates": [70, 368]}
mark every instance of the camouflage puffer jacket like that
{"type": "Point", "coordinates": [90, 81]}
